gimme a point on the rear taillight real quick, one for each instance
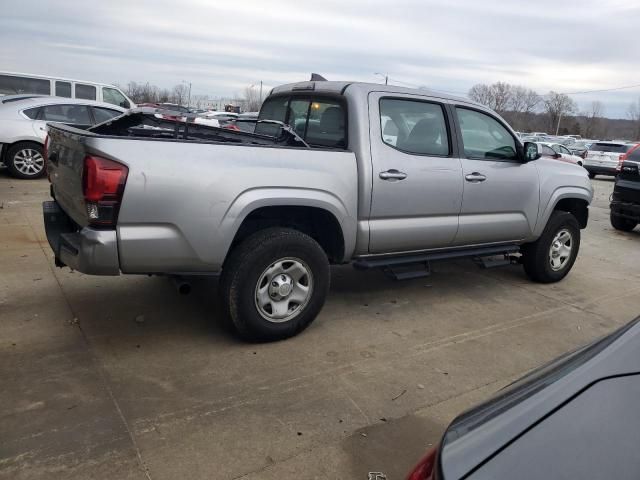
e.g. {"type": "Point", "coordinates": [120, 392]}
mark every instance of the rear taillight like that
{"type": "Point", "coordinates": [103, 185]}
{"type": "Point", "coordinates": [621, 158]}
{"type": "Point", "coordinates": [232, 126]}
{"type": "Point", "coordinates": [426, 469]}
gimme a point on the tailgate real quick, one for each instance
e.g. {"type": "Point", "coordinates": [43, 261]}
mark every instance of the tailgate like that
{"type": "Point", "coordinates": [66, 152]}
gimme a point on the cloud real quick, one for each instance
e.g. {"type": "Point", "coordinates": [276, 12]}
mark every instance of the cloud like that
{"type": "Point", "coordinates": [221, 47]}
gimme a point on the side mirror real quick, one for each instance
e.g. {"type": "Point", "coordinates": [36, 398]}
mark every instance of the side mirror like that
{"type": "Point", "coordinates": [557, 155]}
{"type": "Point", "coordinates": [531, 151]}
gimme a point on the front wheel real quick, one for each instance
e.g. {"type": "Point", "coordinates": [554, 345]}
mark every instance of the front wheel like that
{"type": "Point", "coordinates": [621, 223]}
{"type": "Point", "coordinates": [550, 258]}
{"type": "Point", "coordinates": [274, 284]}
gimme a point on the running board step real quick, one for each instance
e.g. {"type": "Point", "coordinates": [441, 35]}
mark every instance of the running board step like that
{"type": "Point", "coordinates": [408, 271]}
{"type": "Point", "coordinates": [366, 263]}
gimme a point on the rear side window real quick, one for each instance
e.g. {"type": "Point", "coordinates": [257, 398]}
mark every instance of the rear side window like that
{"type": "Point", "coordinates": [32, 113]}
{"type": "Point", "coordinates": [414, 126]}
{"type": "Point", "coordinates": [103, 114]}
{"type": "Point", "coordinates": [113, 96]}
{"type": "Point", "coordinates": [63, 89]}
{"type": "Point", "coordinates": [484, 137]}
{"type": "Point", "coordinates": [85, 92]}
{"type": "Point", "coordinates": [73, 114]}
{"type": "Point", "coordinates": [609, 147]}
{"type": "Point", "coordinates": [320, 122]}
{"type": "Point", "coordinates": [10, 85]}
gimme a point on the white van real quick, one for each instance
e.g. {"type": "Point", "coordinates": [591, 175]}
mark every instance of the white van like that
{"type": "Point", "coordinates": [19, 83]}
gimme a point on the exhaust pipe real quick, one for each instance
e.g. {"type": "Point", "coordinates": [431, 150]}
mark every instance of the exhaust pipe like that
{"type": "Point", "coordinates": [182, 285]}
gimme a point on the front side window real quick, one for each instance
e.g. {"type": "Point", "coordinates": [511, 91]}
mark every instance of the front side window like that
{"type": "Point", "coordinates": [320, 122]}
{"type": "Point", "coordinates": [414, 126]}
{"type": "Point", "coordinates": [73, 114]}
{"type": "Point", "coordinates": [63, 89]}
{"type": "Point", "coordinates": [484, 137]}
{"type": "Point", "coordinates": [113, 96]}
{"type": "Point", "coordinates": [11, 85]}
{"type": "Point", "coordinates": [85, 92]}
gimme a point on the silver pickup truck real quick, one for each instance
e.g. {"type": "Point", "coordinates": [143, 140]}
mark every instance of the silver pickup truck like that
{"type": "Point", "coordinates": [335, 172]}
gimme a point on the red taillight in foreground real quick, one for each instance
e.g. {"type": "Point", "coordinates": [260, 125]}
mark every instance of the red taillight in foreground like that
{"type": "Point", "coordinates": [103, 185]}
{"type": "Point", "coordinates": [426, 468]}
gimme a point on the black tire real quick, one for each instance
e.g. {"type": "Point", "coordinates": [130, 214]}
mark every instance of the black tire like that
{"type": "Point", "coordinates": [13, 159]}
{"type": "Point", "coordinates": [536, 256]}
{"type": "Point", "coordinates": [621, 223]}
{"type": "Point", "coordinates": [592, 175]}
{"type": "Point", "coordinates": [248, 263]}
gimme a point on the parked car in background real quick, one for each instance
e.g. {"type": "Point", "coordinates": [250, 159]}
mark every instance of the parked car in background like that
{"type": "Point", "coordinates": [23, 128]}
{"type": "Point", "coordinates": [559, 152]}
{"type": "Point", "coordinates": [20, 83]}
{"type": "Point", "coordinates": [271, 210]}
{"type": "Point", "coordinates": [574, 418]}
{"type": "Point", "coordinates": [604, 157]}
{"type": "Point", "coordinates": [625, 200]}
{"type": "Point", "coordinates": [580, 147]}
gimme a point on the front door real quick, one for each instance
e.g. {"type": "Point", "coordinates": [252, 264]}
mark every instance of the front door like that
{"type": "Point", "coordinates": [501, 193]}
{"type": "Point", "coordinates": [417, 177]}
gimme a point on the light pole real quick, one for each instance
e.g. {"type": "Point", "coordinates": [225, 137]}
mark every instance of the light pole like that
{"type": "Point", "coordinates": [189, 100]}
{"type": "Point", "coordinates": [386, 77]}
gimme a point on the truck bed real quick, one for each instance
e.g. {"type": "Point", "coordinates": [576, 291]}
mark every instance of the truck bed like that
{"type": "Point", "coordinates": [186, 195]}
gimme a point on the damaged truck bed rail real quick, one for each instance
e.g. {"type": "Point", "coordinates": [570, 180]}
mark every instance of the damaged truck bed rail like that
{"type": "Point", "coordinates": [149, 123]}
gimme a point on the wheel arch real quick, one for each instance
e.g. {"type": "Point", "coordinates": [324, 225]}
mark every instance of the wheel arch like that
{"type": "Point", "coordinates": [320, 214]}
{"type": "Point", "coordinates": [574, 200]}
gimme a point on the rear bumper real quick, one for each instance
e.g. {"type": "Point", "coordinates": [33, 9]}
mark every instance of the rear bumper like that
{"type": "Point", "coordinates": [630, 211]}
{"type": "Point", "coordinates": [86, 250]}
{"type": "Point", "coordinates": [600, 170]}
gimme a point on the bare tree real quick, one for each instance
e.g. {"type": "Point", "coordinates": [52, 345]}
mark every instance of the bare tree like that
{"type": "Point", "coordinates": [522, 104]}
{"type": "Point", "coordinates": [481, 93]}
{"type": "Point", "coordinates": [556, 106]}
{"type": "Point", "coordinates": [634, 115]}
{"type": "Point", "coordinates": [592, 119]}
{"type": "Point", "coordinates": [251, 99]}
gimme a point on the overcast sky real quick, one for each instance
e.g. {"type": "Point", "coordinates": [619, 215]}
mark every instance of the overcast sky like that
{"type": "Point", "coordinates": [221, 46]}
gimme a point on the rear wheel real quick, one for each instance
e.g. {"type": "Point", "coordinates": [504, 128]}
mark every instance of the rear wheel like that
{"type": "Point", "coordinates": [25, 160]}
{"type": "Point", "coordinates": [274, 284]}
{"type": "Point", "coordinates": [550, 258]}
{"type": "Point", "coordinates": [621, 223]}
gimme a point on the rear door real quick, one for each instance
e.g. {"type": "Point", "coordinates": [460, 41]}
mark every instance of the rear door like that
{"type": "Point", "coordinates": [417, 177]}
{"type": "Point", "coordinates": [501, 194]}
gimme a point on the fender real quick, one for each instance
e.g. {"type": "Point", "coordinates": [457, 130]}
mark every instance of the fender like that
{"type": "Point", "coordinates": [560, 193]}
{"type": "Point", "coordinates": [255, 198]}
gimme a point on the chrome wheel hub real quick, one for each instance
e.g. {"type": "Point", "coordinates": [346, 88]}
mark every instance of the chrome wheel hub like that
{"type": "Point", "coordinates": [283, 289]}
{"type": "Point", "coordinates": [28, 161]}
{"type": "Point", "coordinates": [560, 250]}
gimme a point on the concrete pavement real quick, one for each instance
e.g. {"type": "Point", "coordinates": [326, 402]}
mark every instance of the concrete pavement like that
{"type": "Point", "coordinates": [120, 377]}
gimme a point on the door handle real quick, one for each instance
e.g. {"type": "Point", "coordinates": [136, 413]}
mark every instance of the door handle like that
{"type": "Point", "coordinates": [475, 177]}
{"type": "Point", "coordinates": [392, 174]}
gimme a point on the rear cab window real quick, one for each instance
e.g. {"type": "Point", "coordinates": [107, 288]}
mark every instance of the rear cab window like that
{"type": "Point", "coordinates": [318, 120]}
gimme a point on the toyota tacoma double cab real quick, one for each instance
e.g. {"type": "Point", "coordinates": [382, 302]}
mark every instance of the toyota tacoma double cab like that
{"type": "Point", "coordinates": [335, 172]}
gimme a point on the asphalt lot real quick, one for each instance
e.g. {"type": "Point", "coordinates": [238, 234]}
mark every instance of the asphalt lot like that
{"type": "Point", "coordinates": [122, 378]}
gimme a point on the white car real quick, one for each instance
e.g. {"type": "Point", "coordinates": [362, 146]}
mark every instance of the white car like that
{"type": "Point", "coordinates": [23, 127]}
{"type": "Point", "coordinates": [559, 152]}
